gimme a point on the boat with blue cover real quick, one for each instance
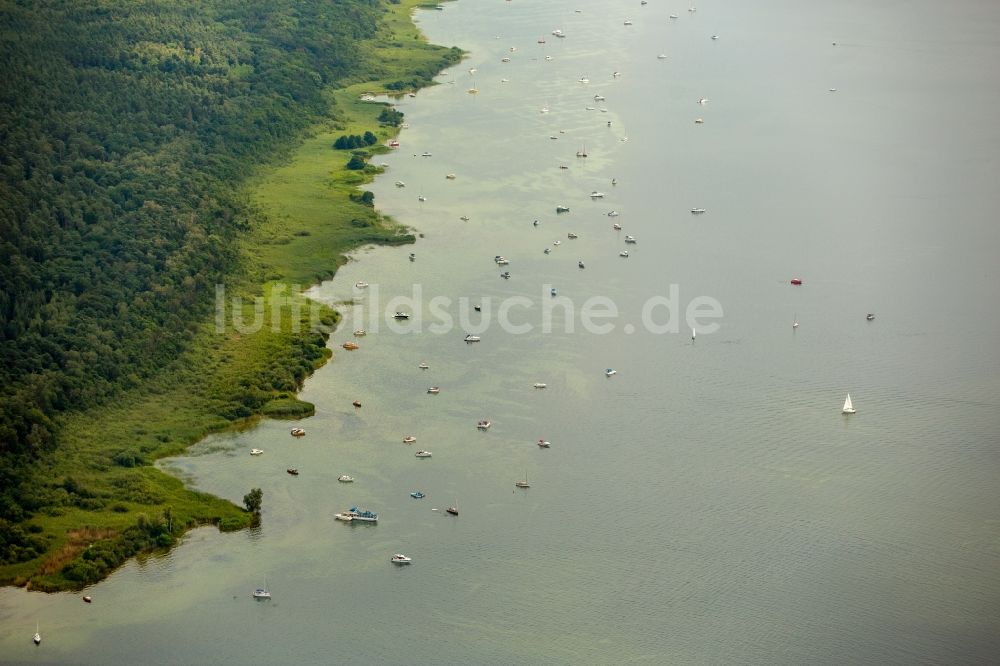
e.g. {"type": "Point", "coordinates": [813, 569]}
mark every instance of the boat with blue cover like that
{"type": "Point", "coordinates": [416, 494]}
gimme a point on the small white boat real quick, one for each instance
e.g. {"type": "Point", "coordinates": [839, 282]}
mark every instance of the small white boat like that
{"type": "Point", "coordinates": [557, 32]}
{"type": "Point", "coordinates": [612, 213]}
{"type": "Point", "coordinates": [598, 98]}
{"type": "Point", "coordinates": [522, 484]}
{"type": "Point", "coordinates": [298, 432]}
{"type": "Point", "coordinates": [609, 372]}
{"type": "Point", "coordinates": [583, 79]}
{"type": "Point", "coordinates": [557, 242]}
{"type": "Point", "coordinates": [703, 100]}
{"type": "Point", "coordinates": [400, 183]}
{"type": "Point", "coordinates": [596, 195]}
{"type": "Point", "coordinates": [623, 253]}
{"type": "Point", "coordinates": [256, 452]}
{"type": "Point", "coordinates": [615, 75]}
{"type": "Point", "coordinates": [694, 334]}
{"type": "Point", "coordinates": [434, 390]}
{"type": "Point", "coordinates": [484, 424]}
{"type": "Point", "coordinates": [464, 218]}
{"type": "Point", "coordinates": [715, 36]}
{"type": "Point", "coordinates": [423, 454]}
{"type": "Point", "coordinates": [848, 405]}
{"type": "Point", "coordinates": [472, 91]}
{"type": "Point", "coordinates": [673, 16]}
{"type": "Point", "coordinates": [472, 338]}
{"type": "Point", "coordinates": [409, 439]}
{"type": "Point", "coordinates": [662, 56]}
{"type": "Point", "coordinates": [261, 593]}
{"type": "Point", "coordinates": [399, 558]}
{"type": "Point", "coordinates": [344, 516]}
{"type": "Point", "coordinates": [501, 260]}
{"type": "Point", "coordinates": [451, 176]}
{"type": "Point", "coordinates": [361, 284]}
{"type": "Point", "coordinates": [697, 211]}
{"type": "Point", "coordinates": [628, 21]}
{"type": "Point", "coordinates": [425, 154]}
{"type": "Point", "coordinates": [360, 333]}
{"type": "Point", "coordinates": [631, 240]}
{"type": "Point", "coordinates": [403, 315]}
{"type": "Point", "coordinates": [540, 385]}
{"type": "Point", "coordinates": [616, 226]}
{"type": "Point", "coordinates": [344, 478]}
{"type": "Point", "coordinates": [543, 443]}
{"type": "Point", "coordinates": [37, 638]}
{"type": "Point", "coordinates": [699, 121]}
{"type": "Point", "coordinates": [571, 236]}
{"type": "Point", "coordinates": [421, 198]}
{"type": "Point", "coordinates": [423, 366]}
{"type": "Point", "coordinates": [505, 59]}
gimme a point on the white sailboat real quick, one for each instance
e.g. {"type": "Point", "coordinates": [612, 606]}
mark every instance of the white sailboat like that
{"type": "Point", "coordinates": [694, 334]}
{"type": "Point", "coordinates": [37, 638]}
{"type": "Point", "coordinates": [848, 406]}
{"type": "Point", "coordinates": [523, 484]}
{"type": "Point", "coordinates": [795, 320]}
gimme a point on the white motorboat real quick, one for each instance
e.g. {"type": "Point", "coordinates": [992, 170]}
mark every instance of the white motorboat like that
{"type": "Point", "coordinates": [361, 284]}
{"type": "Point", "coordinates": [557, 242]}
{"type": "Point", "coordinates": [464, 218]}
{"type": "Point", "coordinates": [697, 211]}
{"type": "Point", "coordinates": [609, 372]}
{"type": "Point", "coordinates": [484, 424]}
{"type": "Point", "coordinates": [434, 390]}
{"type": "Point", "coordinates": [501, 261]}
{"type": "Point", "coordinates": [571, 236]}
{"type": "Point", "coordinates": [540, 385]}
{"type": "Point", "coordinates": [628, 21]}
{"type": "Point", "coordinates": [612, 213]}
{"type": "Point", "coordinates": [402, 315]}
{"type": "Point", "coordinates": [623, 253]}
{"type": "Point", "coordinates": [699, 121]}
{"type": "Point", "coordinates": [298, 432]}
{"type": "Point", "coordinates": [662, 56]}
{"type": "Point", "coordinates": [616, 226]}
{"type": "Point", "coordinates": [598, 98]}
{"type": "Point", "coordinates": [345, 478]}
{"type": "Point", "coordinates": [849, 406]}
{"type": "Point", "coordinates": [423, 454]}
{"type": "Point", "coordinates": [584, 79]}
{"type": "Point", "coordinates": [631, 240]}
{"type": "Point", "coordinates": [344, 516]}
{"type": "Point", "coordinates": [409, 439]}
{"type": "Point", "coordinates": [421, 198]}
{"type": "Point", "coordinates": [256, 452]}
{"type": "Point", "coordinates": [261, 593]}
{"type": "Point", "coordinates": [423, 366]}
{"type": "Point", "coordinates": [451, 176]}
{"type": "Point", "coordinates": [472, 338]}
{"type": "Point", "coordinates": [543, 443]}
{"type": "Point", "coordinates": [596, 195]}
{"type": "Point", "coordinates": [399, 558]}
{"type": "Point", "coordinates": [400, 183]}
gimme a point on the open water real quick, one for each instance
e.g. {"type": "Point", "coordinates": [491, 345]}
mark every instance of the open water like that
{"type": "Point", "coordinates": [707, 504]}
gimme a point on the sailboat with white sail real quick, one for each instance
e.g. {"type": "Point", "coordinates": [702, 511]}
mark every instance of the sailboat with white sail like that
{"type": "Point", "coordinates": [37, 638]}
{"type": "Point", "coordinates": [848, 405]}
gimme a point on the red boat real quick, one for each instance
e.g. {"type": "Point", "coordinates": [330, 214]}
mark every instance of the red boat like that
{"type": "Point", "coordinates": [796, 281]}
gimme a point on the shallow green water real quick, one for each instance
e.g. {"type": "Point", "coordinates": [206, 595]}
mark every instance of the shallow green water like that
{"type": "Point", "coordinates": [707, 504]}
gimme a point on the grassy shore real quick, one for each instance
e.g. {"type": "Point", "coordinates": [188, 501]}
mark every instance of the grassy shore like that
{"type": "Point", "coordinates": [100, 498]}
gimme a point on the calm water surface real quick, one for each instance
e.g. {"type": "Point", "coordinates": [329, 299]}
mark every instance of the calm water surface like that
{"type": "Point", "coordinates": [709, 503]}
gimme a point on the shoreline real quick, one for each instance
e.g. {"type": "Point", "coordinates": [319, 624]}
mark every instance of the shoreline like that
{"type": "Point", "coordinates": [149, 423]}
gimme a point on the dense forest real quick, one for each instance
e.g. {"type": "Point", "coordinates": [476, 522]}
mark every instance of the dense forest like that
{"type": "Point", "coordinates": [126, 127]}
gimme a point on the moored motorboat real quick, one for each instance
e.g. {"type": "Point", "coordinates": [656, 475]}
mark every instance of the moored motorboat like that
{"type": "Point", "coordinates": [596, 195]}
{"type": "Point", "coordinates": [423, 366]}
{"type": "Point", "coordinates": [562, 209]}
{"type": "Point", "coordinates": [540, 385]}
{"type": "Point", "coordinates": [580, 264]}
{"type": "Point", "coordinates": [344, 478]}
{"type": "Point", "coordinates": [610, 371]}
{"type": "Point", "coordinates": [870, 317]}
{"type": "Point", "coordinates": [505, 275]}
{"type": "Point", "coordinates": [484, 424]}
{"type": "Point", "coordinates": [697, 211]}
{"type": "Point", "coordinates": [399, 558]}
{"type": "Point", "coordinates": [472, 338]}
{"type": "Point", "coordinates": [616, 226]}
{"type": "Point", "coordinates": [293, 471]}
{"type": "Point", "coordinates": [571, 236]}
{"type": "Point", "coordinates": [350, 346]}
{"type": "Point", "coordinates": [401, 315]}
{"type": "Point", "coordinates": [796, 281]}
{"type": "Point", "coordinates": [630, 239]}
{"type": "Point", "coordinates": [409, 439]}
{"type": "Point", "coordinates": [87, 599]}
{"type": "Point", "coordinates": [434, 389]}
{"type": "Point", "coordinates": [256, 452]}
{"type": "Point", "coordinates": [422, 454]}
{"type": "Point", "coordinates": [297, 432]}
{"type": "Point", "coordinates": [623, 253]}
{"type": "Point", "coordinates": [361, 284]}
{"type": "Point", "coordinates": [261, 593]}
{"type": "Point", "coordinates": [416, 494]}
{"type": "Point", "coordinates": [360, 333]}
{"type": "Point", "coordinates": [344, 516]}
{"type": "Point", "coordinates": [544, 443]}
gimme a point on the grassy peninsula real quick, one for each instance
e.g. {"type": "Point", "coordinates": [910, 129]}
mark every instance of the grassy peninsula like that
{"type": "Point", "coordinates": [152, 151]}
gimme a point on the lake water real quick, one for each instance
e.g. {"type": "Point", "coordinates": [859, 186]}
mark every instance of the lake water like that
{"type": "Point", "coordinates": [707, 504]}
